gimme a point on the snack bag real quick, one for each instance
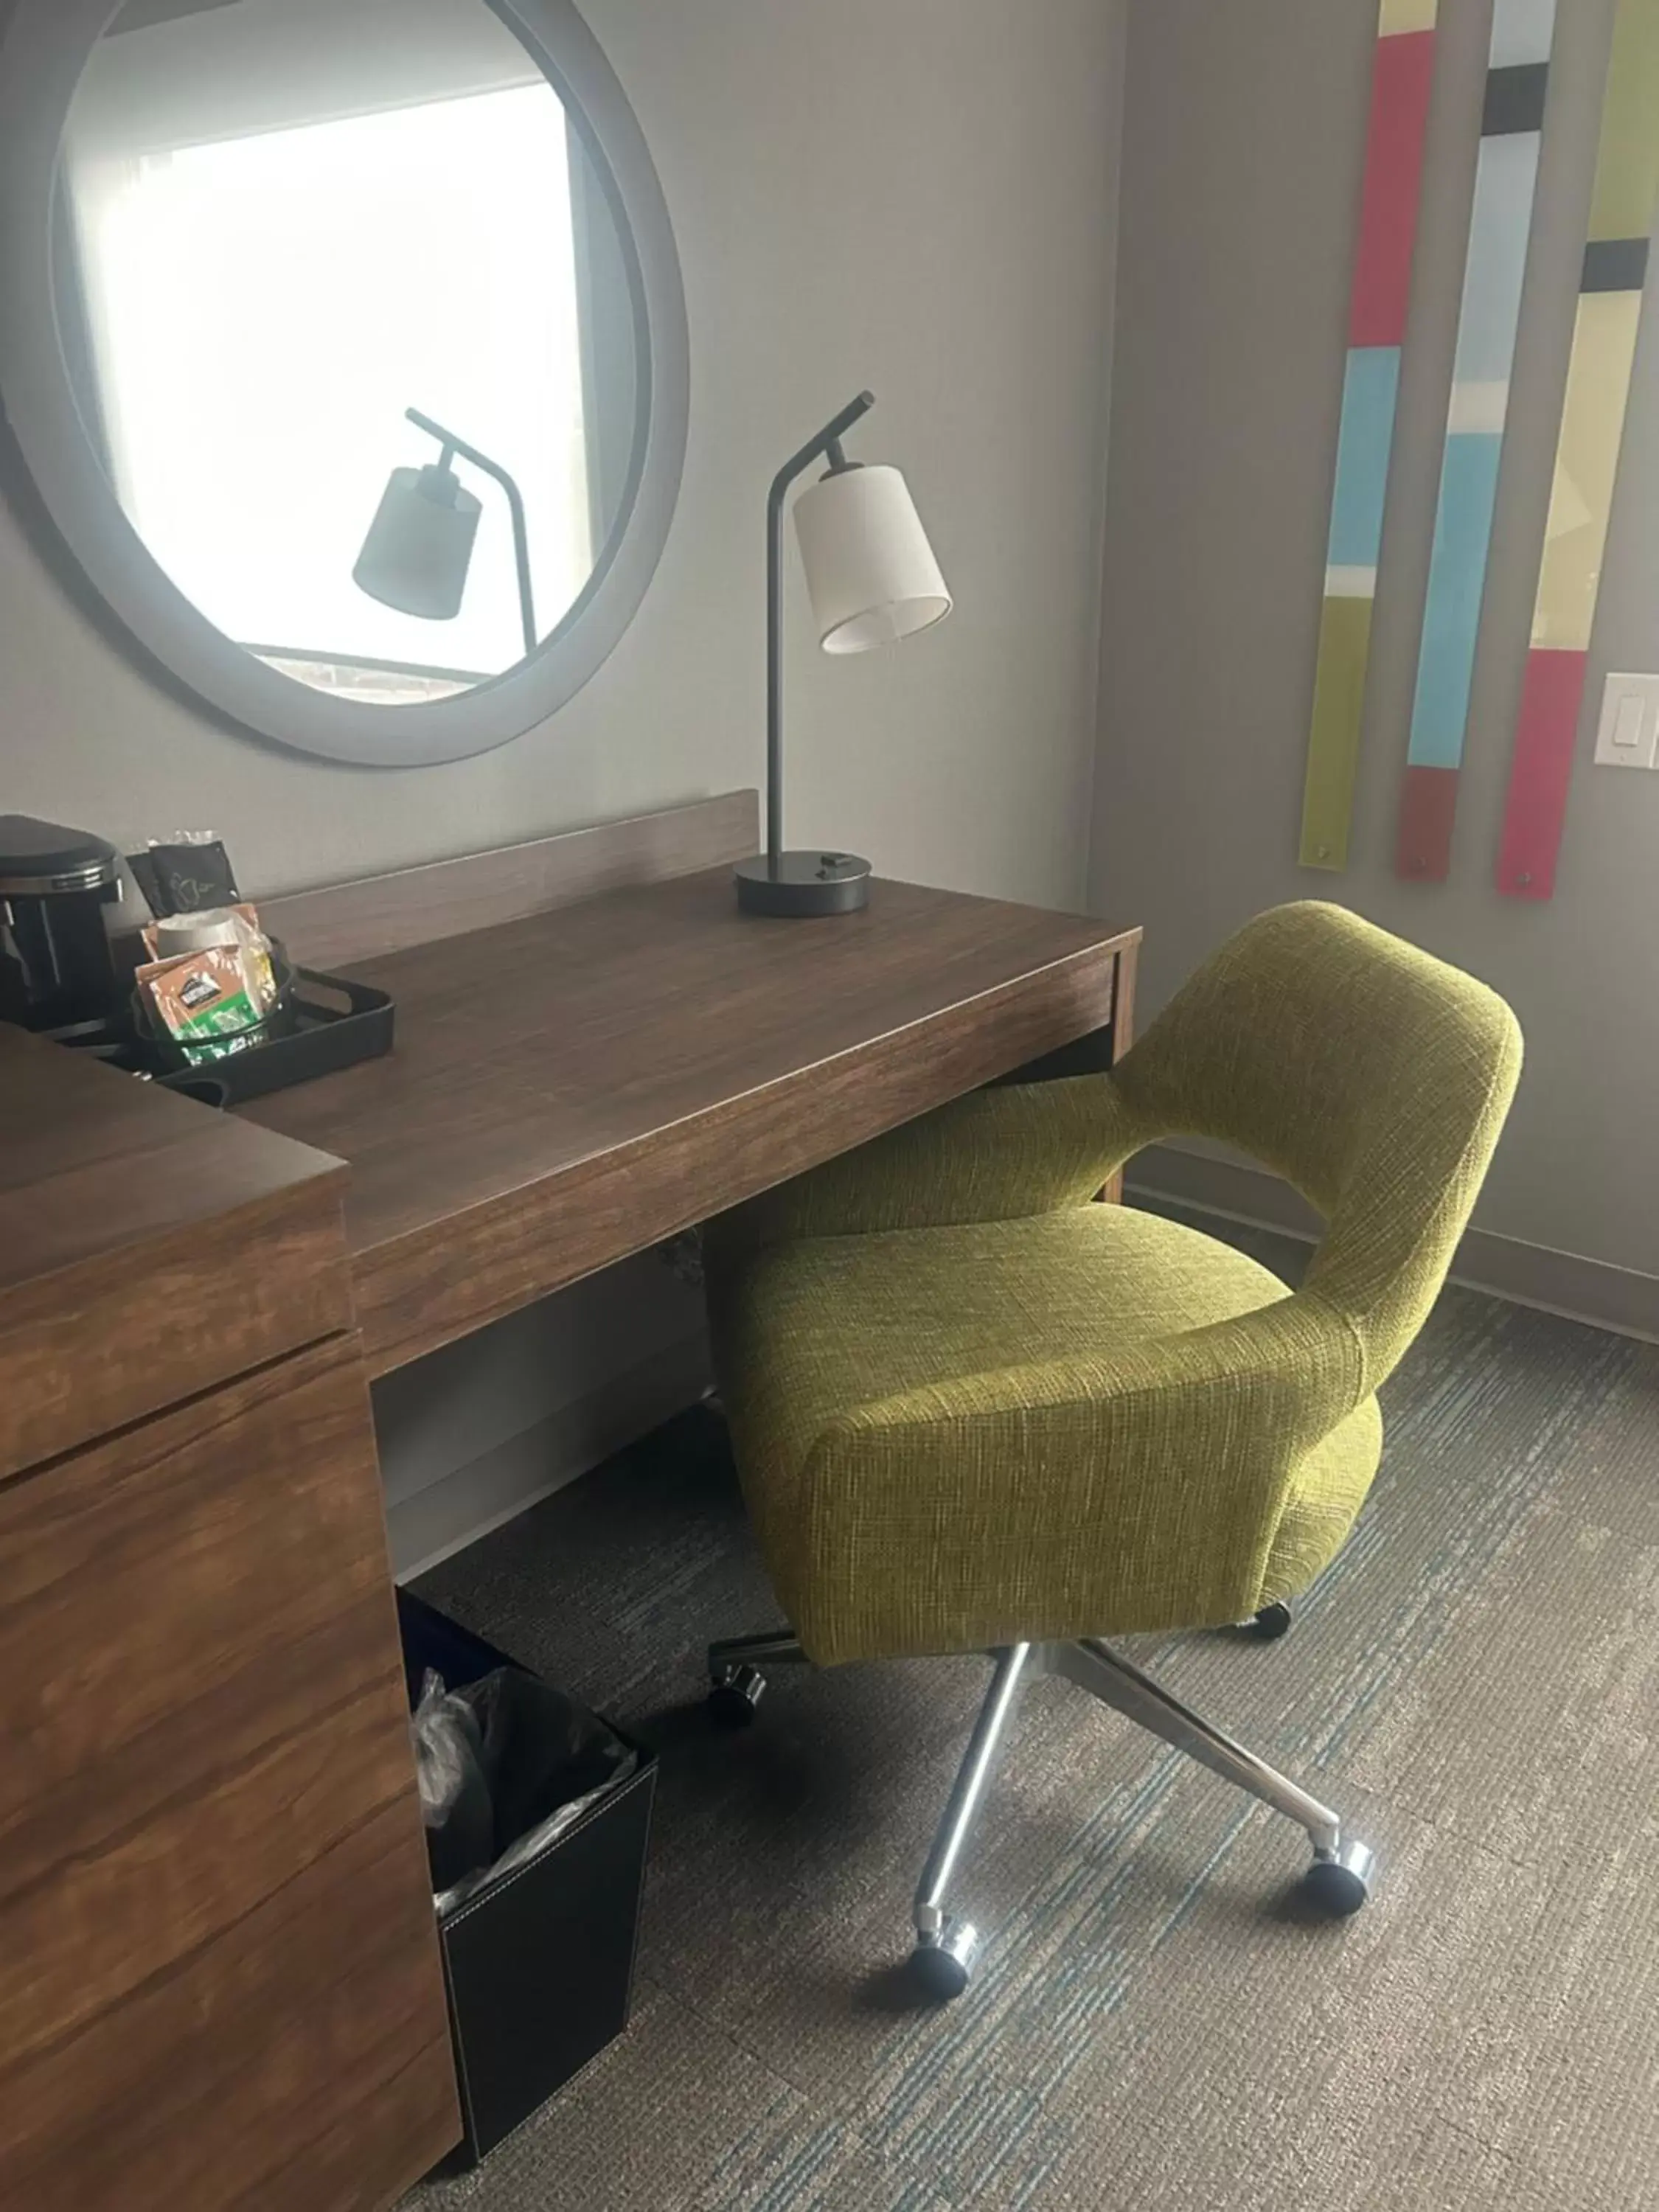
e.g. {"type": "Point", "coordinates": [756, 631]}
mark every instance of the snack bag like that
{"type": "Point", "coordinates": [173, 936]}
{"type": "Point", "coordinates": [204, 1001]}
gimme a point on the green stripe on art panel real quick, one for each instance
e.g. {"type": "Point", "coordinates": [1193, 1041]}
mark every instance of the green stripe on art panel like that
{"type": "Point", "coordinates": [1627, 168]}
{"type": "Point", "coordinates": [1344, 649]}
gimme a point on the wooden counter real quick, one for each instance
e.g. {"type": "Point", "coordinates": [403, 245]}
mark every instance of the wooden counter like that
{"type": "Point", "coordinates": [221, 1982]}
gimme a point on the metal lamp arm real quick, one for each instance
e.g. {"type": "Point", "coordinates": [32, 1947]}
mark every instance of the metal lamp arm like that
{"type": "Point", "coordinates": [452, 444]}
{"type": "Point", "coordinates": [825, 446]}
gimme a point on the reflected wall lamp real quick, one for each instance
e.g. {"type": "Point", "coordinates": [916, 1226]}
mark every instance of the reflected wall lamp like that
{"type": "Point", "coordinates": [419, 546]}
{"type": "Point", "coordinates": [872, 579]}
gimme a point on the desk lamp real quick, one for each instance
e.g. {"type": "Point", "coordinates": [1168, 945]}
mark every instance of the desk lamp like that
{"type": "Point", "coordinates": [419, 546]}
{"type": "Point", "coordinates": [872, 579]}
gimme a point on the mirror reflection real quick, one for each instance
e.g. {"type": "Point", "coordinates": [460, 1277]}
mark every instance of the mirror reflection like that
{"type": "Point", "coordinates": [348, 323]}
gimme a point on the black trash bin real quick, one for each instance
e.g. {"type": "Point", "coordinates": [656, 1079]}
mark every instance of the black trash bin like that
{"type": "Point", "coordinates": [538, 1962]}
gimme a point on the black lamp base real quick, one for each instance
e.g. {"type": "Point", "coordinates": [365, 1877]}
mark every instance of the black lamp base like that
{"type": "Point", "coordinates": [804, 884]}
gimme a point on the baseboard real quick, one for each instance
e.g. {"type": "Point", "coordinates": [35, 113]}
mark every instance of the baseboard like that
{"type": "Point", "coordinates": [1613, 1299]}
{"type": "Point", "coordinates": [495, 1488]}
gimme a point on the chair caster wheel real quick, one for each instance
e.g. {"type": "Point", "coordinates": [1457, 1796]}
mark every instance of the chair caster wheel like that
{"type": "Point", "coordinates": [1271, 1623]}
{"type": "Point", "coordinates": [734, 1695]}
{"type": "Point", "coordinates": [1339, 1882]}
{"type": "Point", "coordinates": [944, 1967]}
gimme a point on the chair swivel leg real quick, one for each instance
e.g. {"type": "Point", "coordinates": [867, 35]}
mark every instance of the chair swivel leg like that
{"type": "Point", "coordinates": [1338, 1881]}
{"type": "Point", "coordinates": [736, 1684]}
{"type": "Point", "coordinates": [945, 1946]}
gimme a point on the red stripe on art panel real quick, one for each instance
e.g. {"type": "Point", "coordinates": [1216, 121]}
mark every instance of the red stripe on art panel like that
{"type": "Point", "coordinates": [1394, 188]}
{"type": "Point", "coordinates": [1545, 742]}
{"type": "Point", "coordinates": [1428, 807]}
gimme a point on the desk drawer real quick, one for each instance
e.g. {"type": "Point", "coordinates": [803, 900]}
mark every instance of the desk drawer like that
{"type": "Point", "coordinates": [97, 1346]}
{"type": "Point", "coordinates": [207, 1808]}
{"type": "Point", "coordinates": [453, 1274]}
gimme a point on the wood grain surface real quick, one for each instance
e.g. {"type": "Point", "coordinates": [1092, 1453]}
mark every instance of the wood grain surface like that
{"type": "Point", "coordinates": [573, 1087]}
{"type": "Point", "coordinates": [353, 921]}
{"type": "Point", "coordinates": [221, 1983]}
{"type": "Point", "coordinates": [149, 1247]}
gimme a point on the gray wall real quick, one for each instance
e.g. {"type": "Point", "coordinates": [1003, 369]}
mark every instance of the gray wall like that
{"type": "Point", "coordinates": [919, 199]}
{"type": "Point", "coordinates": [916, 198]}
{"type": "Point", "coordinates": [1242, 146]}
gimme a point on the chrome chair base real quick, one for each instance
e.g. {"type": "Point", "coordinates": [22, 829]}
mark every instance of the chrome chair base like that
{"type": "Point", "coordinates": [736, 1684]}
{"type": "Point", "coordinates": [944, 1964]}
{"type": "Point", "coordinates": [1338, 1883]}
{"type": "Point", "coordinates": [1273, 1621]}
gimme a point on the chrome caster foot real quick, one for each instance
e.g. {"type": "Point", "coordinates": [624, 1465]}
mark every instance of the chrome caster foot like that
{"type": "Point", "coordinates": [945, 1966]}
{"type": "Point", "coordinates": [1271, 1623]}
{"type": "Point", "coordinates": [1339, 1881]}
{"type": "Point", "coordinates": [734, 1695]}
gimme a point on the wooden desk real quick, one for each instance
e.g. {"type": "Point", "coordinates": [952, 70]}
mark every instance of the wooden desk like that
{"type": "Point", "coordinates": [576, 1086]}
{"type": "Point", "coordinates": [222, 1982]}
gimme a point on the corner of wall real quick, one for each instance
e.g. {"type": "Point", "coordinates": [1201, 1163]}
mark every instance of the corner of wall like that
{"type": "Point", "coordinates": [1120, 18]}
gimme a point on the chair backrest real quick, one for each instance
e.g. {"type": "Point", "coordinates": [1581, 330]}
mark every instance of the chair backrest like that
{"type": "Point", "coordinates": [1370, 1076]}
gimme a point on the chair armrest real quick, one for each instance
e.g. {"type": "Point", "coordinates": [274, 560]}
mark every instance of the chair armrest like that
{"type": "Point", "coordinates": [1138, 1489]}
{"type": "Point", "coordinates": [993, 1155]}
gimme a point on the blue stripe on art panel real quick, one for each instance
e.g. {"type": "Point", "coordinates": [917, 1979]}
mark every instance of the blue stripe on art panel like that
{"type": "Point", "coordinates": [1504, 185]}
{"type": "Point", "coordinates": [1522, 31]}
{"type": "Point", "coordinates": [1457, 577]}
{"type": "Point", "coordinates": [1370, 390]}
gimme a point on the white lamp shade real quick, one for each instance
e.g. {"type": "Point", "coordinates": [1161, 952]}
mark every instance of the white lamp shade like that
{"type": "Point", "coordinates": [419, 545]}
{"type": "Point", "coordinates": [870, 571]}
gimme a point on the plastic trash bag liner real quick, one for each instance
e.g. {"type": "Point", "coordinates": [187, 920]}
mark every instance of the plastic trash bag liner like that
{"type": "Point", "coordinates": [506, 1765]}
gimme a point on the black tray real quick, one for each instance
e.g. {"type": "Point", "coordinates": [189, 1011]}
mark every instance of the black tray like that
{"type": "Point", "coordinates": [324, 1024]}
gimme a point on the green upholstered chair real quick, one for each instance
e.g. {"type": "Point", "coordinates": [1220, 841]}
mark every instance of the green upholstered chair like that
{"type": "Point", "coordinates": [974, 1411]}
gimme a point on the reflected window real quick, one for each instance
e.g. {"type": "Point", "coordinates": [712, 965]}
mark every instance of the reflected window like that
{"type": "Point", "coordinates": [269, 278]}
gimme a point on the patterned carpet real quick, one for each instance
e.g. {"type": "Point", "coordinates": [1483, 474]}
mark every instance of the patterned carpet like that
{"type": "Point", "coordinates": [1156, 2025]}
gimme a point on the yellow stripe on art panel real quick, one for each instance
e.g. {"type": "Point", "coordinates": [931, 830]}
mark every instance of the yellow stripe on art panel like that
{"type": "Point", "coordinates": [1400, 15]}
{"type": "Point", "coordinates": [1627, 168]}
{"type": "Point", "coordinates": [1345, 652]}
{"type": "Point", "coordinates": [1586, 468]}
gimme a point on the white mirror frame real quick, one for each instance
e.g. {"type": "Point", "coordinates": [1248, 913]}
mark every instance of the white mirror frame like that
{"type": "Point", "coordinates": [43, 52]}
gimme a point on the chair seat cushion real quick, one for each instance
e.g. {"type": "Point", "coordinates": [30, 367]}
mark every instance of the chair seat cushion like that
{"type": "Point", "coordinates": [866, 1317]}
{"type": "Point", "coordinates": [811, 1331]}
{"type": "Point", "coordinates": [854, 1319]}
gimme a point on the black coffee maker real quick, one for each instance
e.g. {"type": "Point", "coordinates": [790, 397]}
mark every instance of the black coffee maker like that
{"type": "Point", "coordinates": [56, 971]}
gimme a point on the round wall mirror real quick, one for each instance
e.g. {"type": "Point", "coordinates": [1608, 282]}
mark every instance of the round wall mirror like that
{"type": "Point", "coordinates": [344, 341]}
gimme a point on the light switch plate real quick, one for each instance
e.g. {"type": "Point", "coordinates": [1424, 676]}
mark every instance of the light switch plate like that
{"type": "Point", "coordinates": [1629, 735]}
